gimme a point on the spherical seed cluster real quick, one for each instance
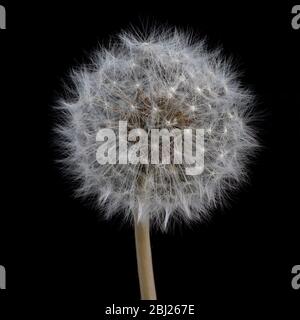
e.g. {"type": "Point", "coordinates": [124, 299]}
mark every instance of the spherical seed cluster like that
{"type": "Point", "coordinates": [163, 80]}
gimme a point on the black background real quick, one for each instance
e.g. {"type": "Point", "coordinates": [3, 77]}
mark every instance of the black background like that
{"type": "Point", "coordinates": [58, 251]}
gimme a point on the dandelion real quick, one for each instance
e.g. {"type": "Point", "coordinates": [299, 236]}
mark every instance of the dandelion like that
{"type": "Point", "coordinates": [160, 80]}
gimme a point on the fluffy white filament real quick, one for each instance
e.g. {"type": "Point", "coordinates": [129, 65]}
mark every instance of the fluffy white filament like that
{"type": "Point", "coordinates": [163, 80]}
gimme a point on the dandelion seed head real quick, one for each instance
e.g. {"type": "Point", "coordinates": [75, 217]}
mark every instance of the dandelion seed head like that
{"type": "Point", "coordinates": [158, 80]}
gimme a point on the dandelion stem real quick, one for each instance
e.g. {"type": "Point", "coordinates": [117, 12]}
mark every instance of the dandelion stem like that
{"type": "Point", "coordinates": [144, 259]}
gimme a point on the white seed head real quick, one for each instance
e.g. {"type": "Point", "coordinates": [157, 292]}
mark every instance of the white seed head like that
{"type": "Point", "coordinates": [174, 82]}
